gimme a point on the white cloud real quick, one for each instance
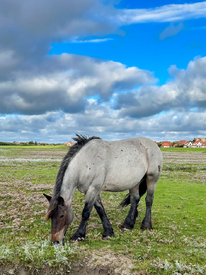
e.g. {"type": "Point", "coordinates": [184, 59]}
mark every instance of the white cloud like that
{"type": "Point", "coordinates": [167, 13]}
{"type": "Point", "coordinates": [53, 97]}
{"type": "Point", "coordinates": [96, 40]}
{"type": "Point", "coordinates": [66, 86]}
{"type": "Point", "coordinates": [186, 91]}
{"type": "Point", "coordinates": [102, 121]}
{"type": "Point", "coordinates": [171, 111]}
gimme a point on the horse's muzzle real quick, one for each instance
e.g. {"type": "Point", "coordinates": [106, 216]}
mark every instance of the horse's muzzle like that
{"type": "Point", "coordinates": [55, 243]}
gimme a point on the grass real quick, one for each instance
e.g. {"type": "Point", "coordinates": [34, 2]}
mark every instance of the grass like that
{"type": "Point", "coordinates": [176, 245]}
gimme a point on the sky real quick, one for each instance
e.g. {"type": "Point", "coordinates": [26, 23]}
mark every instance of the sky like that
{"type": "Point", "coordinates": [114, 69]}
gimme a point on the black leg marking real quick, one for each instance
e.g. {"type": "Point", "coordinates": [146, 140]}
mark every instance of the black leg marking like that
{"type": "Point", "coordinates": [81, 231]}
{"type": "Point", "coordinates": [108, 230]}
{"type": "Point", "coordinates": [147, 223]}
{"type": "Point", "coordinates": [132, 215]}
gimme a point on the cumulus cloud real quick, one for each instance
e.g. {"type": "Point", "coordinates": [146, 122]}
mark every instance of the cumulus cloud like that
{"type": "Point", "coordinates": [27, 30]}
{"type": "Point", "coordinates": [186, 91]}
{"type": "Point", "coordinates": [103, 121]}
{"type": "Point", "coordinates": [65, 82]}
{"type": "Point", "coordinates": [52, 97]}
{"type": "Point", "coordinates": [30, 26]}
{"type": "Point", "coordinates": [31, 82]}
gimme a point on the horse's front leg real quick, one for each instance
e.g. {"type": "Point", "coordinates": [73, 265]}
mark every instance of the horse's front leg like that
{"type": "Point", "coordinates": [81, 231]}
{"type": "Point", "coordinates": [91, 197]}
{"type": "Point", "coordinates": [108, 230]}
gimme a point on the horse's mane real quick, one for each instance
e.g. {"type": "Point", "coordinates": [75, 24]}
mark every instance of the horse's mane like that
{"type": "Point", "coordinates": [80, 142]}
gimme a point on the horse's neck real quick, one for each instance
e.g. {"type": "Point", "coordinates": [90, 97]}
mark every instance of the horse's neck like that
{"type": "Point", "coordinates": [68, 189]}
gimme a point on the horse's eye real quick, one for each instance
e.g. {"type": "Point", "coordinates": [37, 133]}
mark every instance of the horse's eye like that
{"type": "Point", "coordinates": [62, 216]}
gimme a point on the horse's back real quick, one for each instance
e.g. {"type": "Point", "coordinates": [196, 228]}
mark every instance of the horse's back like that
{"type": "Point", "coordinates": [119, 165]}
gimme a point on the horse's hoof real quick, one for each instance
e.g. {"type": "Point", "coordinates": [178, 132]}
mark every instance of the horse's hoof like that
{"type": "Point", "coordinates": [76, 239]}
{"type": "Point", "coordinates": [123, 229]}
{"type": "Point", "coordinates": [145, 227]}
{"type": "Point", "coordinates": [107, 237]}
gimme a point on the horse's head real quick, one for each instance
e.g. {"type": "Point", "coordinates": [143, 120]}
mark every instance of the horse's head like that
{"type": "Point", "coordinates": [61, 216]}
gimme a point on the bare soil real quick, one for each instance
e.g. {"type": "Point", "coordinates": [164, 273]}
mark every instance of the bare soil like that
{"type": "Point", "coordinates": [94, 265]}
{"type": "Point", "coordinates": [184, 157]}
{"type": "Point", "coordinates": [169, 157]}
{"type": "Point", "coordinates": [76, 269]}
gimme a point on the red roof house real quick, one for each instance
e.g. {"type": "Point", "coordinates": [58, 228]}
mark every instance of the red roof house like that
{"type": "Point", "coordinates": [181, 142]}
{"type": "Point", "coordinates": [70, 143]}
{"type": "Point", "coordinates": [166, 144]}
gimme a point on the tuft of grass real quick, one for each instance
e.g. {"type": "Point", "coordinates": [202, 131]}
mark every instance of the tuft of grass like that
{"type": "Point", "coordinates": [38, 253]}
{"type": "Point", "coordinates": [177, 267]}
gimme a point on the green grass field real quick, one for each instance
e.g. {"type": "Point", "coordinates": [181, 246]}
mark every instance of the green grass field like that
{"type": "Point", "coordinates": [176, 245]}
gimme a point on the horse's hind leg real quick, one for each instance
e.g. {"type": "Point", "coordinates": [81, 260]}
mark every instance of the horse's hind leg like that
{"type": "Point", "coordinates": [151, 181]}
{"type": "Point", "coordinates": [108, 230]}
{"type": "Point", "coordinates": [129, 222]}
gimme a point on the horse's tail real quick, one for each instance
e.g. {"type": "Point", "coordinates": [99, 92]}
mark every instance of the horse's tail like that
{"type": "Point", "coordinates": [142, 191]}
{"type": "Point", "coordinates": [126, 201]}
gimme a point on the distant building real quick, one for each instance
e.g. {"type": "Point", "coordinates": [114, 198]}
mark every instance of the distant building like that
{"type": "Point", "coordinates": [188, 144]}
{"type": "Point", "coordinates": [181, 143]}
{"type": "Point", "coordinates": [70, 143]}
{"type": "Point", "coordinates": [199, 139]}
{"type": "Point", "coordinates": [166, 144]}
{"type": "Point", "coordinates": [204, 144]}
{"type": "Point", "coordinates": [197, 144]}
{"type": "Point", "coordinates": [16, 142]}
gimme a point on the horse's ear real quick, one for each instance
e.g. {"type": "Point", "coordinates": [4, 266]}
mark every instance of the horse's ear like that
{"type": "Point", "coordinates": [60, 201]}
{"type": "Point", "coordinates": [47, 197]}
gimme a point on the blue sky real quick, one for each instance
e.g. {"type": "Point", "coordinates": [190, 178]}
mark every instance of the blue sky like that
{"type": "Point", "coordinates": [115, 69]}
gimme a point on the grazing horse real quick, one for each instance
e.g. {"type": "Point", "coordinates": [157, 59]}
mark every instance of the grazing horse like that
{"type": "Point", "coordinates": [93, 165]}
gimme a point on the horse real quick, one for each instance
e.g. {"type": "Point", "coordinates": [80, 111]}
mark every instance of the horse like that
{"type": "Point", "coordinates": [93, 165]}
